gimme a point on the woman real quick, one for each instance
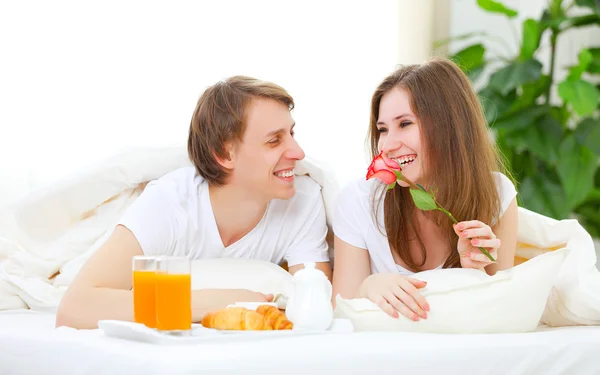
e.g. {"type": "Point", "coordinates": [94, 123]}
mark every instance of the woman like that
{"type": "Point", "coordinates": [427, 119]}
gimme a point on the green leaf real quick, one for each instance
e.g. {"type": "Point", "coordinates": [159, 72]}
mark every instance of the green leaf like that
{"type": "Point", "coordinates": [551, 20]}
{"type": "Point", "coordinates": [494, 104]}
{"type": "Point", "coordinates": [515, 74]}
{"type": "Point", "coordinates": [474, 74]}
{"type": "Point", "coordinates": [580, 94]}
{"type": "Point", "coordinates": [587, 134]}
{"type": "Point", "coordinates": [469, 58]}
{"type": "Point", "coordinates": [443, 42]}
{"type": "Point", "coordinates": [560, 114]}
{"type": "Point", "coordinates": [530, 92]}
{"type": "Point", "coordinates": [593, 4]}
{"type": "Point", "coordinates": [580, 21]}
{"type": "Point", "coordinates": [531, 39]}
{"type": "Point", "coordinates": [520, 119]}
{"type": "Point", "coordinates": [590, 217]}
{"type": "Point", "coordinates": [423, 200]}
{"type": "Point", "coordinates": [543, 138]}
{"type": "Point", "coordinates": [496, 7]}
{"type": "Point", "coordinates": [576, 168]}
{"type": "Point", "coordinates": [593, 197]}
{"type": "Point", "coordinates": [594, 66]}
{"type": "Point", "coordinates": [540, 194]}
{"type": "Point", "coordinates": [556, 9]}
{"type": "Point", "coordinates": [585, 58]}
{"type": "Point", "coordinates": [391, 186]}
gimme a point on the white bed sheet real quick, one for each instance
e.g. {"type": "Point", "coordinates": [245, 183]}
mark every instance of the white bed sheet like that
{"type": "Point", "coordinates": [29, 344]}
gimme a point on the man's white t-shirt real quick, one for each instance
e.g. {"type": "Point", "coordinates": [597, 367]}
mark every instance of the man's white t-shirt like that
{"type": "Point", "coordinates": [174, 216]}
{"type": "Point", "coordinates": [354, 224]}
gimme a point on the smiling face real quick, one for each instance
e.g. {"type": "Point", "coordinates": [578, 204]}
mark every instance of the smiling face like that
{"type": "Point", "coordinates": [400, 134]}
{"type": "Point", "coordinates": [263, 162]}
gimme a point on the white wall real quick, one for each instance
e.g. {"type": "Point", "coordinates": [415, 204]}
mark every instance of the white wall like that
{"type": "Point", "coordinates": [82, 80]}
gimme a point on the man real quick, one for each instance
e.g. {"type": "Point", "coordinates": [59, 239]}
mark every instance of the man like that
{"type": "Point", "coordinates": [240, 200]}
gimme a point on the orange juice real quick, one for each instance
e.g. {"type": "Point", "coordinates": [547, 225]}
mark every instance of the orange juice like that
{"type": "Point", "coordinates": [144, 310]}
{"type": "Point", "coordinates": [173, 301]}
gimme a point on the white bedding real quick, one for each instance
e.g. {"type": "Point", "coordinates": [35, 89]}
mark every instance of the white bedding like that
{"type": "Point", "coordinates": [29, 344]}
{"type": "Point", "coordinates": [46, 236]}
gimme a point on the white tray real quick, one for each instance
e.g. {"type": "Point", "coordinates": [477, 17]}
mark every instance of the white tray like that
{"type": "Point", "coordinates": [198, 334]}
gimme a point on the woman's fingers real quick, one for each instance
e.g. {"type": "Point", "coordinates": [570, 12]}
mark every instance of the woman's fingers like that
{"type": "Point", "coordinates": [469, 224]}
{"type": "Point", "coordinates": [396, 294]}
{"type": "Point", "coordinates": [482, 257]}
{"type": "Point", "coordinates": [385, 306]}
{"type": "Point", "coordinates": [410, 287]}
{"type": "Point", "coordinates": [485, 232]}
{"type": "Point", "coordinates": [400, 305]}
{"type": "Point", "coordinates": [409, 301]}
{"type": "Point", "coordinates": [416, 282]}
{"type": "Point", "coordinates": [491, 244]}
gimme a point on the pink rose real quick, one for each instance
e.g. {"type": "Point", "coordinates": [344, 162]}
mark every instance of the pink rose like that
{"type": "Point", "coordinates": [383, 168]}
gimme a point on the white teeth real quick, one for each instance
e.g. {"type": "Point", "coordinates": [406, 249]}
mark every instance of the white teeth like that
{"type": "Point", "coordinates": [405, 160]}
{"type": "Point", "coordinates": [289, 173]}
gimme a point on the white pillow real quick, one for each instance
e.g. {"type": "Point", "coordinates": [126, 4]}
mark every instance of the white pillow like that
{"type": "Point", "coordinates": [469, 301]}
{"type": "Point", "coordinates": [233, 273]}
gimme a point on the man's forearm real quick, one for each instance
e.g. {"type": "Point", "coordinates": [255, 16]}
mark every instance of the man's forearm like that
{"type": "Point", "coordinates": [208, 300]}
{"type": "Point", "coordinates": [83, 309]}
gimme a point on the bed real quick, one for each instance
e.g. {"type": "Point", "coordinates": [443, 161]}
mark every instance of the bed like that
{"type": "Point", "coordinates": [46, 237]}
{"type": "Point", "coordinates": [30, 344]}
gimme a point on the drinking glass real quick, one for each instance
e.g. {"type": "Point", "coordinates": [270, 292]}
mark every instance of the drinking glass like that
{"type": "Point", "coordinates": [173, 295]}
{"type": "Point", "coordinates": [144, 280]}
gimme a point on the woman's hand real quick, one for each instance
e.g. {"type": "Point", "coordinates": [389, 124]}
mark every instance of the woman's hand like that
{"type": "Point", "coordinates": [472, 235]}
{"type": "Point", "coordinates": [395, 293]}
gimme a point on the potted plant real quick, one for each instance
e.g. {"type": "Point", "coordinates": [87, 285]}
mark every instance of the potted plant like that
{"type": "Point", "coordinates": [548, 130]}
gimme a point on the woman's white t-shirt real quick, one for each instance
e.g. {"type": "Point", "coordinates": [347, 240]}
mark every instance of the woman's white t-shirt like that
{"type": "Point", "coordinates": [354, 224]}
{"type": "Point", "coordinates": [174, 216]}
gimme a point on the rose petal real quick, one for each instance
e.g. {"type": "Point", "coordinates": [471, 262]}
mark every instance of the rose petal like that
{"type": "Point", "coordinates": [384, 175]}
{"type": "Point", "coordinates": [381, 163]}
{"type": "Point", "coordinates": [373, 161]}
{"type": "Point", "coordinates": [391, 163]}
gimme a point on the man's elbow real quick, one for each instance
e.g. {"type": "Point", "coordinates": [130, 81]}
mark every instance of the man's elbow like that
{"type": "Point", "coordinates": [67, 314]}
{"type": "Point", "coordinates": [63, 314]}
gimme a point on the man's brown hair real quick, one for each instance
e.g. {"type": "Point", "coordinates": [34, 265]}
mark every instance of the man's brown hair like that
{"type": "Point", "coordinates": [220, 117]}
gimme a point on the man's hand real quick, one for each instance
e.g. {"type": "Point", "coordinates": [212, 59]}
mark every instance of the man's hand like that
{"type": "Point", "coordinates": [209, 300]}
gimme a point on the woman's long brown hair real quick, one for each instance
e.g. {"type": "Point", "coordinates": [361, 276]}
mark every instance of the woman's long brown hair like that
{"type": "Point", "coordinates": [460, 157]}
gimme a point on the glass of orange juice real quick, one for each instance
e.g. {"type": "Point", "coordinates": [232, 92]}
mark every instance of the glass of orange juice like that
{"type": "Point", "coordinates": [174, 295]}
{"type": "Point", "coordinates": [144, 291]}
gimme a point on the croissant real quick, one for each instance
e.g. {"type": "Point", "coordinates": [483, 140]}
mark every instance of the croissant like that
{"type": "Point", "coordinates": [274, 317]}
{"type": "Point", "coordinates": [235, 318]}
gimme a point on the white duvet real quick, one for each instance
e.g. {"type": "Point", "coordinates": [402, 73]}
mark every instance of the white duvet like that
{"type": "Point", "coordinates": [47, 235]}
